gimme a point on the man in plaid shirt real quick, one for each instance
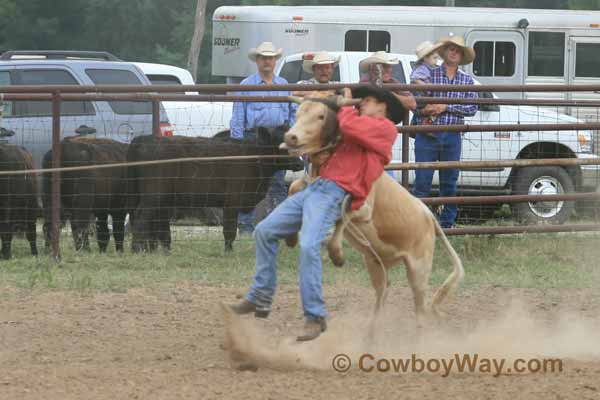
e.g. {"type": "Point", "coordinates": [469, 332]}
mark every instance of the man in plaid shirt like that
{"type": "Point", "coordinates": [444, 146]}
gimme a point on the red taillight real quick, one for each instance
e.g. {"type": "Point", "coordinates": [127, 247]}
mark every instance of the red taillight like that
{"type": "Point", "coordinates": [166, 129]}
{"type": "Point", "coordinates": [308, 56]}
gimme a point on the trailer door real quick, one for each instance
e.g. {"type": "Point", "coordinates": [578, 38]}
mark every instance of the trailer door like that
{"type": "Point", "coordinates": [584, 59]}
{"type": "Point", "coordinates": [499, 58]}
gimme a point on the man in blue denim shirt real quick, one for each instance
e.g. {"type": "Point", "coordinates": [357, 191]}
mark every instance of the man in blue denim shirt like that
{"type": "Point", "coordinates": [249, 115]}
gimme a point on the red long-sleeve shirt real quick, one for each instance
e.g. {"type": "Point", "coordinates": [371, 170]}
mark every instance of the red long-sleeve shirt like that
{"type": "Point", "coordinates": [361, 155]}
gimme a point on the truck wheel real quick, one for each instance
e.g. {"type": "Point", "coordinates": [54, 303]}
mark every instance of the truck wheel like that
{"type": "Point", "coordinates": [539, 181]}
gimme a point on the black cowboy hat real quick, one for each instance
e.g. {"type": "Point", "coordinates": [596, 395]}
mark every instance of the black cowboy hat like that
{"type": "Point", "coordinates": [395, 109]}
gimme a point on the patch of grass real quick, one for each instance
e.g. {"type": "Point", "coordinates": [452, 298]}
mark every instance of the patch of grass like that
{"type": "Point", "coordinates": [525, 261]}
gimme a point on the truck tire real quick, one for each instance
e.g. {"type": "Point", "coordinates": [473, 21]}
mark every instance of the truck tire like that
{"type": "Point", "coordinates": [543, 180]}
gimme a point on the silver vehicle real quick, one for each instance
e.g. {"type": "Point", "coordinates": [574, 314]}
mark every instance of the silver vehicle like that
{"type": "Point", "coordinates": [29, 123]}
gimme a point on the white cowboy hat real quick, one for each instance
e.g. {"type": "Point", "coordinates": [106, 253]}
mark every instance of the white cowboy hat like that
{"type": "Point", "coordinates": [379, 57]}
{"type": "Point", "coordinates": [426, 48]}
{"type": "Point", "coordinates": [266, 49]}
{"type": "Point", "coordinates": [319, 58]}
{"type": "Point", "coordinates": [468, 52]}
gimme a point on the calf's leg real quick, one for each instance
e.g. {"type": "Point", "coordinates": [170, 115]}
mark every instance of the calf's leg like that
{"type": "Point", "coordinates": [6, 237]}
{"type": "Point", "coordinates": [417, 273]}
{"type": "Point", "coordinates": [31, 236]}
{"type": "Point", "coordinates": [119, 229]}
{"type": "Point", "coordinates": [229, 226]}
{"type": "Point", "coordinates": [102, 232]}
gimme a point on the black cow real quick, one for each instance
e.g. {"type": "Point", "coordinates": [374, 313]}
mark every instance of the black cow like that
{"type": "Point", "coordinates": [231, 185]}
{"type": "Point", "coordinates": [18, 198]}
{"type": "Point", "coordinates": [90, 193]}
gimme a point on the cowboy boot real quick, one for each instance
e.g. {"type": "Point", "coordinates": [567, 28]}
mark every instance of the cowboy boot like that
{"type": "Point", "coordinates": [312, 329]}
{"type": "Point", "coordinates": [247, 307]}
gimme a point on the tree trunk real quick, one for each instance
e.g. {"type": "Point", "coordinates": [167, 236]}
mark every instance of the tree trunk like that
{"type": "Point", "coordinates": [196, 45]}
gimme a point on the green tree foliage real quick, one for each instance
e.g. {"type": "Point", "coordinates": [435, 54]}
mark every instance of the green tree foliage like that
{"type": "Point", "coordinates": [160, 31]}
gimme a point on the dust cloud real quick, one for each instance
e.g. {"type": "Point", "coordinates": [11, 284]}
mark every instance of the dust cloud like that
{"type": "Point", "coordinates": [513, 333]}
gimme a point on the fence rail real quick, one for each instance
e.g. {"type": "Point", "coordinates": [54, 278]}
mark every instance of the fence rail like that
{"type": "Point", "coordinates": [58, 94]}
{"type": "Point", "coordinates": [219, 88]}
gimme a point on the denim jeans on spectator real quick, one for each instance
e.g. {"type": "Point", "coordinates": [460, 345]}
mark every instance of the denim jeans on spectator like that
{"type": "Point", "coordinates": [277, 192]}
{"type": "Point", "coordinates": [312, 211]}
{"type": "Point", "coordinates": [439, 147]}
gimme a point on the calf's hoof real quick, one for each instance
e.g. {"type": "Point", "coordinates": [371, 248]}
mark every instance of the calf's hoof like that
{"type": "Point", "coordinates": [336, 255]}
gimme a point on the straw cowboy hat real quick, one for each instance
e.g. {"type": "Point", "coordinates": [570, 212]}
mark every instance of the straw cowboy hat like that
{"type": "Point", "coordinates": [468, 52]}
{"type": "Point", "coordinates": [395, 109]}
{"type": "Point", "coordinates": [379, 57]}
{"type": "Point", "coordinates": [319, 58]}
{"type": "Point", "coordinates": [426, 48]}
{"type": "Point", "coordinates": [266, 49]}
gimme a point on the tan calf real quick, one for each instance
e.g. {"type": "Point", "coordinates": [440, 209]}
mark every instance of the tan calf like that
{"type": "Point", "coordinates": [392, 227]}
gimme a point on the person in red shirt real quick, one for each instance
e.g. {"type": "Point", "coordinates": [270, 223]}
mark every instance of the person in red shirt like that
{"type": "Point", "coordinates": [367, 136]}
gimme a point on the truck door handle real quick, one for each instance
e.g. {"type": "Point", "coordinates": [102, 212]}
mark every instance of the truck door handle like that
{"type": "Point", "coordinates": [85, 130]}
{"type": "Point", "coordinates": [6, 132]}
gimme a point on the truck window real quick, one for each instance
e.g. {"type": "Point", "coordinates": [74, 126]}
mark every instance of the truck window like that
{"type": "Point", "coordinates": [292, 72]}
{"type": "Point", "coordinates": [546, 54]}
{"type": "Point", "coordinates": [44, 108]}
{"type": "Point", "coordinates": [164, 80]}
{"type": "Point", "coordinates": [397, 73]}
{"type": "Point", "coordinates": [587, 59]}
{"type": "Point", "coordinates": [363, 40]}
{"type": "Point", "coordinates": [120, 77]}
{"type": "Point", "coordinates": [494, 58]}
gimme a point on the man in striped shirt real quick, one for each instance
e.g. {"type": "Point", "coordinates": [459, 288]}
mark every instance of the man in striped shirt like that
{"type": "Point", "coordinates": [444, 146]}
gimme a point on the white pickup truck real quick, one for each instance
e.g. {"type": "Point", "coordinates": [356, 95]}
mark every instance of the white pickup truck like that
{"type": "Point", "coordinates": [204, 120]}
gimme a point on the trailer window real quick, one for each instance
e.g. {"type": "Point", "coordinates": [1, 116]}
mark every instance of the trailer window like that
{"type": "Point", "coordinates": [355, 41]}
{"type": "Point", "coordinates": [494, 59]}
{"type": "Point", "coordinates": [546, 54]}
{"type": "Point", "coordinates": [379, 41]}
{"type": "Point", "coordinates": [367, 41]}
{"type": "Point", "coordinates": [587, 59]}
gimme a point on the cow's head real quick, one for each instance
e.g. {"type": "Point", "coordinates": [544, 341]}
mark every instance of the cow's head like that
{"type": "Point", "coordinates": [316, 124]}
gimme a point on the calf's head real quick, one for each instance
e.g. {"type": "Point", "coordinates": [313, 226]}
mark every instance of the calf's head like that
{"type": "Point", "coordinates": [316, 124]}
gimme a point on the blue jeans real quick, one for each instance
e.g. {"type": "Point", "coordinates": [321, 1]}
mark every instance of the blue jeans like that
{"type": "Point", "coordinates": [312, 212]}
{"type": "Point", "coordinates": [277, 192]}
{"type": "Point", "coordinates": [442, 147]}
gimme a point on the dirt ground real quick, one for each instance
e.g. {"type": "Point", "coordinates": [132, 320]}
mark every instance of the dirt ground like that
{"type": "Point", "coordinates": [168, 344]}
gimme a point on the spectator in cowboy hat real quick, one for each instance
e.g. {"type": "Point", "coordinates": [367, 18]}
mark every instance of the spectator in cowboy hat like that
{"type": "Point", "coordinates": [321, 65]}
{"type": "Point", "coordinates": [445, 146]}
{"type": "Point", "coordinates": [249, 115]}
{"type": "Point", "coordinates": [427, 58]}
{"type": "Point", "coordinates": [370, 68]}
